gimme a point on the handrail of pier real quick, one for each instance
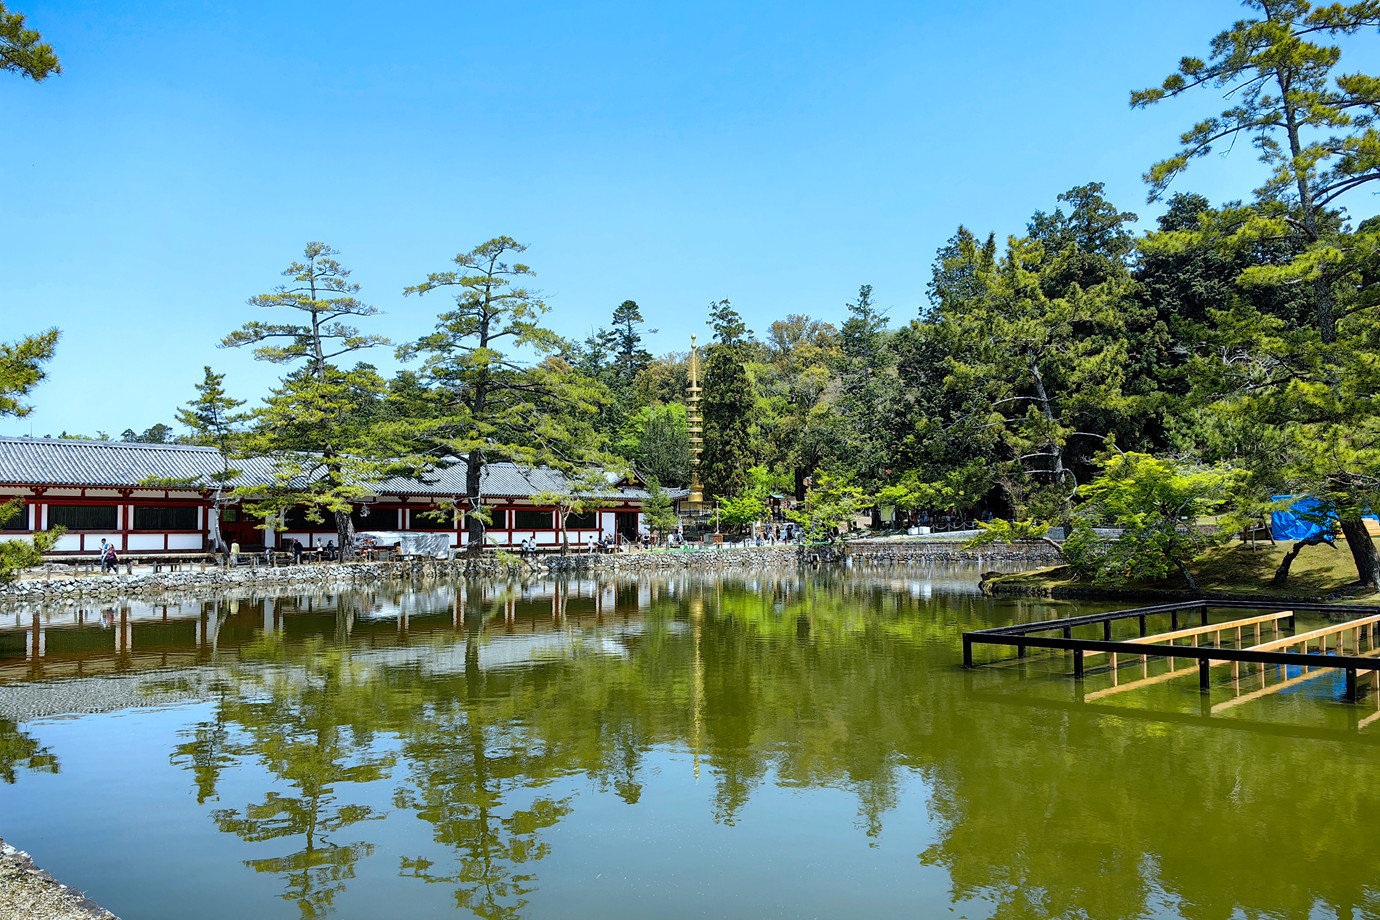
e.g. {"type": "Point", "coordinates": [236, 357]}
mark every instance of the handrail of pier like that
{"type": "Point", "coordinates": [1216, 628]}
{"type": "Point", "coordinates": [1321, 633]}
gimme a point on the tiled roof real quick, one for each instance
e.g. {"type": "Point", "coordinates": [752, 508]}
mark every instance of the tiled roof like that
{"type": "Point", "coordinates": [42, 461]}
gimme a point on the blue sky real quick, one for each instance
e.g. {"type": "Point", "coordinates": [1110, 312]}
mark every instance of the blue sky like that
{"type": "Point", "coordinates": [775, 154]}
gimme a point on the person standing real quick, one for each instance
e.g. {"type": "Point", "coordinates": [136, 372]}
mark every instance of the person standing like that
{"type": "Point", "coordinates": [296, 551]}
{"type": "Point", "coordinates": [106, 553]}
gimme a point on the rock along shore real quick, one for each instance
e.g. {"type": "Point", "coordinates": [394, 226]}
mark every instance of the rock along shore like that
{"type": "Point", "coordinates": [54, 582]}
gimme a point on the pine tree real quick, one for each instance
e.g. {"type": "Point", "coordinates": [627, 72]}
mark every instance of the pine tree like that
{"type": "Point", "coordinates": [493, 402]}
{"type": "Point", "coordinates": [310, 424]}
{"type": "Point", "coordinates": [23, 50]}
{"type": "Point", "coordinates": [21, 369]}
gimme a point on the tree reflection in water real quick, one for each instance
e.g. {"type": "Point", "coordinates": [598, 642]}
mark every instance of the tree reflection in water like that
{"type": "Point", "coordinates": [800, 682]}
{"type": "Point", "coordinates": [20, 751]}
{"type": "Point", "coordinates": [308, 717]}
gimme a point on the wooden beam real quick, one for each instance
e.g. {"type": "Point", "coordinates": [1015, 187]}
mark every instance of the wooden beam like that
{"type": "Point", "coordinates": [1282, 685]}
{"type": "Point", "coordinates": [1196, 631]}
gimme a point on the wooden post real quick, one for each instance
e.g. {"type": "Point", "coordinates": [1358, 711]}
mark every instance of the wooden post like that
{"type": "Point", "coordinates": [1203, 675]}
{"type": "Point", "coordinates": [1173, 620]}
{"type": "Point", "coordinates": [1141, 618]}
{"type": "Point", "coordinates": [1107, 630]}
{"type": "Point", "coordinates": [1351, 695]}
{"type": "Point", "coordinates": [1078, 664]}
{"type": "Point", "coordinates": [967, 652]}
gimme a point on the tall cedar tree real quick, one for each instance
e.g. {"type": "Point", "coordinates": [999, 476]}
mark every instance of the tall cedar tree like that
{"type": "Point", "coordinates": [309, 425]}
{"type": "Point", "coordinates": [868, 387]}
{"type": "Point", "coordinates": [727, 406]}
{"type": "Point", "coordinates": [1315, 133]}
{"type": "Point", "coordinates": [629, 356]}
{"type": "Point", "coordinates": [493, 405]}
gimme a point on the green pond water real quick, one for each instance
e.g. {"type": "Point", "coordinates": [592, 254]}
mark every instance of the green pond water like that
{"type": "Point", "coordinates": [798, 745]}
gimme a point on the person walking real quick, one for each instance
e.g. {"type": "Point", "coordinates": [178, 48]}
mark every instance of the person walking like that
{"type": "Point", "coordinates": [106, 554]}
{"type": "Point", "coordinates": [296, 552]}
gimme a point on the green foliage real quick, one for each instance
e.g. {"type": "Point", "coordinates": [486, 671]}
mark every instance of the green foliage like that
{"type": "Point", "coordinates": [796, 410]}
{"type": "Point", "coordinates": [658, 512]}
{"type": "Point", "coordinates": [322, 446]}
{"type": "Point", "coordinates": [868, 390]}
{"type": "Point", "coordinates": [961, 488]}
{"type": "Point", "coordinates": [22, 553]}
{"type": "Point", "coordinates": [491, 401]}
{"type": "Point", "coordinates": [1043, 348]}
{"type": "Point", "coordinates": [1002, 532]}
{"type": "Point", "coordinates": [1313, 130]}
{"type": "Point", "coordinates": [23, 51]}
{"type": "Point", "coordinates": [739, 512]}
{"type": "Point", "coordinates": [21, 369]}
{"type": "Point", "coordinates": [727, 408]}
{"type": "Point", "coordinates": [1157, 505]}
{"type": "Point", "coordinates": [830, 508]}
{"type": "Point", "coordinates": [656, 439]}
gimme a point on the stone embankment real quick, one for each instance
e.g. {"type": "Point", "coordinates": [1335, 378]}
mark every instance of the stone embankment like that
{"type": "Point", "coordinates": [51, 584]}
{"type": "Point", "coordinates": [58, 580]}
{"type": "Point", "coordinates": [951, 551]}
{"type": "Point", "coordinates": [724, 558]}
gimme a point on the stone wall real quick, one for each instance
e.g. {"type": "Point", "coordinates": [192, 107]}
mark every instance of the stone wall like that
{"type": "Point", "coordinates": [952, 551]}
{"type": "Point", "coordinates": [780, 557]}
{"type": "Point", "coordinates": [98, 586]}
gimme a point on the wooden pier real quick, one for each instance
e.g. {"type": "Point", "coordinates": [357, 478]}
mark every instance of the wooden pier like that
{"type": "Point", "coordinates": [1295, 650]}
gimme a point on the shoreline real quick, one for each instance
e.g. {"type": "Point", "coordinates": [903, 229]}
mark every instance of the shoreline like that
{"type": "Point", "coordinates": [52, 584]}
{"type": "Point", "coordinates": [29, 893]}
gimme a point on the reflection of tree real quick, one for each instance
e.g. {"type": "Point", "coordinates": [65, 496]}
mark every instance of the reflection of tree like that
{"type": "Point", "coordinates": [311, 726]}
{"type": "Point", "coordinates": [824, 682]}
{"type": "Point", "coordinates": [208, 752]}
{"type": "Point", "coordinates": [466, 759]}
{"type": "Point", "coordinates": [20, 751]}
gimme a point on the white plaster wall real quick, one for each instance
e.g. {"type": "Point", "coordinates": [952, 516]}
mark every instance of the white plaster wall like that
{"type": "Point", "coordinates": [145, 541]}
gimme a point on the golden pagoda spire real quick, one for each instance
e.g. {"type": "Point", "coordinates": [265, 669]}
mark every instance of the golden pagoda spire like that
{"type": "Point", "coordinates": [696, 425]}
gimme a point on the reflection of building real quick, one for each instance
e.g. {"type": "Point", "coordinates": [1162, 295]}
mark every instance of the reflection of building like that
{"type": "Point", "coordinates": [422, 629]}
{"type": "Point", "coordinates": [158, 498]}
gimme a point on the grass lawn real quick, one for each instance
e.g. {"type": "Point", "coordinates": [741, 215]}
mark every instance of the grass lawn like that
{"type": "Point", "coordinates": [1238, 569]}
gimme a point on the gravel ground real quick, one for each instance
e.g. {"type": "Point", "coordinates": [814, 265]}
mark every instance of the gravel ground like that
{"type": "Point", "coordinates": [29, 893]}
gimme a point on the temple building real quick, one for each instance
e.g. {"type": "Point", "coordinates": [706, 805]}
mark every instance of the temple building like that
{"type": "Point", "coordinates": [106, 490]}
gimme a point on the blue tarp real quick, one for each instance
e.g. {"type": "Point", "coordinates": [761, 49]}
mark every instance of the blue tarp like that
{"type": "Point", "coordinates": [1288, 525]}
{"type": "Point", "coordinates": [1293, 525]}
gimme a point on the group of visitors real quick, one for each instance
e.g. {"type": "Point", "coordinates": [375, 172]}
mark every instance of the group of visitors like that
{"type": "Point", "coordinates": [110, 560]}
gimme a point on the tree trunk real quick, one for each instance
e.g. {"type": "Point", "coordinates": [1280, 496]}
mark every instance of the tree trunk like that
{"type": "Point", "coordinates": [1362, 547]}
{"type": "Point", "coordinates": [1188, 577]}
{"type": "Point", "coordinates": [474, 468]}
{"type": "Point", "coordinates": [345, 532]}
{"type": "Point", "coordinates": [1282, 573]}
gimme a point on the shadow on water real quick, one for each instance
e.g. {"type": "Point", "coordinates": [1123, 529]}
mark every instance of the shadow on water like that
{"type": "Point", "coordinates": [473, 739]}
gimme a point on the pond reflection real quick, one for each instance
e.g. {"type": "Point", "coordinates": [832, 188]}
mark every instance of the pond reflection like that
{"type": "Point", "coordinates": [582, 748]}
